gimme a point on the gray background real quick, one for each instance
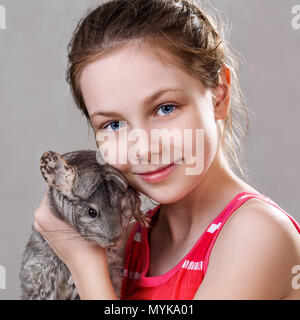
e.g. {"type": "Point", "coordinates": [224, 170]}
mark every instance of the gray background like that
{"type": "Point", "coordinates": [38, 113]}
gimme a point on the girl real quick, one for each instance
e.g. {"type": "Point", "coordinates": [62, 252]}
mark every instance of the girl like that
{"type": "Point", "coordinates": [162, 64]}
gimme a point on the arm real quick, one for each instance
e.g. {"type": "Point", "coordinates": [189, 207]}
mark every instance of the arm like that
{"type": "Point", "coordinates": [90, 274]}
{"type": "Point", "coordinates": [252, 257]}
{"type": "Point", "coordinates": [91, 277]}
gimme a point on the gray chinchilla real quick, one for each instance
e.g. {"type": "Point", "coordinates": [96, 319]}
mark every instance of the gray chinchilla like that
{"type": "Point", "coordinates": [97, 202]}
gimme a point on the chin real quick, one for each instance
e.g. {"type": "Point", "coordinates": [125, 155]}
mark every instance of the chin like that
{"type": "Point", "coordinates": [168, 199]}
{"type": "Point", "coordinates": [170, 193]}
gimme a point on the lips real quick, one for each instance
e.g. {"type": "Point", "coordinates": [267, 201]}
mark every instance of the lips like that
{"type": "Point", "coordinates": [160, 174]}
{"type": "Point", "coordinates": [155, 171]}
{"type": "Point", "coordinates": [159, 169]}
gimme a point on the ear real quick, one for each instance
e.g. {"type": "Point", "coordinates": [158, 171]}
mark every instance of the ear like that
{"type": "Point", "coordinates": [57, 172]}
{"type": "Point", "coordinates": [222, 94]}
{"type": "Point", "coordinates": [110, 173]}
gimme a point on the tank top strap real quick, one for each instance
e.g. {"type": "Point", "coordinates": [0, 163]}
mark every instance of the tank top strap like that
{"type": "Point", "coordinates": [183, 280]}
{"type": "Point", "coordinates": [215, 228]}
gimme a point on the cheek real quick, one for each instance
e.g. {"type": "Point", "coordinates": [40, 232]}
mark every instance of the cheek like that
{"type": "Point", "coordinates": [200, 141]}
{"type": "Point", "coordinates": [111, 149]}
{"type": "Point", "coordinates": [198, 157]}
{"type": "Point", "coordinates": [116, 148]}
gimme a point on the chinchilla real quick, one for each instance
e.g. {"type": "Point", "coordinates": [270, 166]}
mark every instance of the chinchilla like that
{"type": "Point", "coordinates": [96, 200]}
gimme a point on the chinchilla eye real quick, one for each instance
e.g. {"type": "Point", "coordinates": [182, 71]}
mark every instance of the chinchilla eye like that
{"type": "Point", "coordinates": [93, 213]}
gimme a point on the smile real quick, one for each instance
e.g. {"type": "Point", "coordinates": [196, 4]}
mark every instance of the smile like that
{"type": "Point", "coordinates": [158, 175]}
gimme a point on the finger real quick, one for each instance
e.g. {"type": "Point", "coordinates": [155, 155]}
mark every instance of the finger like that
{"type": "Point", "coordinates": [37, 213]}
{"type": "Point", "coordinates": [44, 201]}
{"type": "Point", "coordinates": [44, 216]}
{"type": "Point", "coordinates": [37, 226]}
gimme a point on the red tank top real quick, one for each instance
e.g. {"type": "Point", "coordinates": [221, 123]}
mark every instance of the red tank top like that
{"type": "Point", "coordinates": [182, 281]}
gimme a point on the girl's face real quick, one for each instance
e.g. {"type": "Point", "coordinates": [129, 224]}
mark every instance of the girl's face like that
{"type": "Point", "coordinates": [120, 85]}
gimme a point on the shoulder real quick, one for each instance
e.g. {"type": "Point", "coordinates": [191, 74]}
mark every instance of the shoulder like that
{"type": "Point", "coordinates": [259, 222]}
{"type": "Point", "coordinates": [253, 255]}
{"type": "Point", "coordinates": [256, 215]}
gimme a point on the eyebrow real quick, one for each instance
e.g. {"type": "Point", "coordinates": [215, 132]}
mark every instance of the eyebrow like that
{"type": "Point", "coordinates": [150, 99]}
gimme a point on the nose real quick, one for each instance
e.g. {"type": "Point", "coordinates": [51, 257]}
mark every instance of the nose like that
{"type": "Point", "coordinates": [143, 154]}
{"type": "Point", "coordinates": [142, 150]}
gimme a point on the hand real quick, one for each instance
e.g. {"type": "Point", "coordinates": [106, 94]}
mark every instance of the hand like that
{"type": "Point", "coordinates": [67, 243]}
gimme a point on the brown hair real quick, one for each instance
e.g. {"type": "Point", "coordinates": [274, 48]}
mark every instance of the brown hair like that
{"type": "Point", "coordinates": [181, 27]}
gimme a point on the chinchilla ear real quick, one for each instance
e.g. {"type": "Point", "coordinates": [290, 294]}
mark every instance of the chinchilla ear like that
{"type": "Point", "coordinates": [110, 173]}
{"type": "Point", "coordinates": [57, 172]}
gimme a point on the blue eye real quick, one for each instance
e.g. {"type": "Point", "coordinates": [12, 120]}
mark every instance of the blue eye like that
{"type": "Point", "coordinates": [167, 108]}
{"type": "Point", "coordinates": [115, 125]}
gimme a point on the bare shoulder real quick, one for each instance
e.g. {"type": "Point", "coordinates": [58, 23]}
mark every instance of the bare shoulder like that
{"type": "Point", "coordinates": [259, 214]}
{"type": "Point", "coordinates": [253, 255]}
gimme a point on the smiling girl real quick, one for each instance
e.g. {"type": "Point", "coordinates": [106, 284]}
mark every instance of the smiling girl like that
{"type": "Point", "coordinates": [163, 64]}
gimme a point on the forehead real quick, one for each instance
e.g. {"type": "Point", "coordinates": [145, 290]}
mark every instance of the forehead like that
{"type": "Point", "coordinates": [128, 74]}
{"type": "Point", "coordinates": [132, 61]}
